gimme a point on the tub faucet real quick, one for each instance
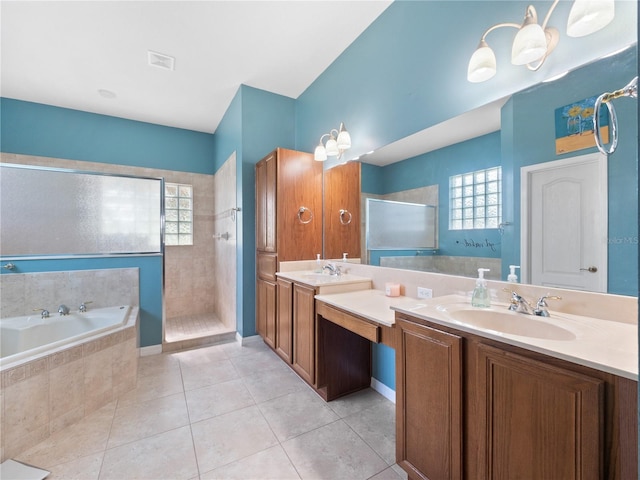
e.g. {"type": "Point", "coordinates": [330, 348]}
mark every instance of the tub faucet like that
{"type": "Point", "coordinates": [333, 269]}
{"type": "Point", "coordinates": [83, 307]}
{"type": "Point", "coordinates": [44, 313]}
{"type": "Point", "coordinates": [63, 310]}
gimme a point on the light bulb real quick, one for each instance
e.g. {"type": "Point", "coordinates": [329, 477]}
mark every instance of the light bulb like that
{"type": "Point", "coordinates": [589, 16]}
{"type": "Point", "coordinates": [320, 154]}
{"type": "Point", "coordinates": [529, 45]}
{"type": "Point", "coordinates": [482, 65]}
{"type": "Point", "coordinates": [332, 147]}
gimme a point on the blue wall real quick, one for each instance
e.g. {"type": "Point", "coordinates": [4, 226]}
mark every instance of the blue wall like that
{"type": "Point", "coordinates": [35, 129]}
{"type": "Point", "coordinates": [528, 137]}
{"type": "Point", "coordinates": [256, 123]}
{"type": "Point", "coordinates": [407, 71]}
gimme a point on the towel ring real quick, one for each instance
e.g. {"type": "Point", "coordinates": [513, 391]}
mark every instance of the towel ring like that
{"type": "Point", "coordinates": [342, 214]}
{"type": "Point", "coordinates": [596, 126]}
{"type": "Point", "coordinates": [630, 90]}
{"type": "Point", "coordinates": [301, 212]}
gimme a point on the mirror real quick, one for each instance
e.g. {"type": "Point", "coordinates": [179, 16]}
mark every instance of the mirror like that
{"type": "Point", "coordinates": [513, 132]}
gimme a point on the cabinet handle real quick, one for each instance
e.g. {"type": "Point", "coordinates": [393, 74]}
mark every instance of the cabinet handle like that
{"type": "Point", "coordinates": [342, 216]}
{"type": "Point", "coordinates": [301, 212]}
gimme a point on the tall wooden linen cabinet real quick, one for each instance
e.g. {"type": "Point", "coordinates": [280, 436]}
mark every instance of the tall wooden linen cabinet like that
{"type": "Point", "coordinates": [288, 228]}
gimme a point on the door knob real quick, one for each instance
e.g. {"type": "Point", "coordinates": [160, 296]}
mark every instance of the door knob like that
{"type": "Point", "coordinates": [590, 269]}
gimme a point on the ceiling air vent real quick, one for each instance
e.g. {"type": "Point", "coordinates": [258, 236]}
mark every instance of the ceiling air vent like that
{"type": "Point", "coordinates": [160, 60]}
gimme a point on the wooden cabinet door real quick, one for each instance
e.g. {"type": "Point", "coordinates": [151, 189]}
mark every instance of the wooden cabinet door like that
{"type": "Point", "coordinates": [284, 320]}
{"type": "Point", "coordinates": [304, 332]}
{"type": "Point", "coordinates": [266, 311]}
{"type": "Point", "coordinates": [266, 203]}
{"type": "Point", "coordinates": [429, 402]}
{"type": "Point", "coordinates": [539, 421]}
{"type": "Point", "coordinates": [342, 211]}
{"type": "Point", "coordinates": [299, 185]}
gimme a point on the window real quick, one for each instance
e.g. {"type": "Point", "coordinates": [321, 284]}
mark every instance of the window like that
{"type": "Point", "coordinates": [178, 214]}
{"type": "Point", "coordinates": [475, 199]}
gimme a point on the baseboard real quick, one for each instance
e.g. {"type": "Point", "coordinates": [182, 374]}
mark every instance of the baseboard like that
{"type": "Point", "coordinates": [150, 350]}
{"type": "Point", "coordinates": [247, 340]}
{"type": "Point", "coordinates": [383, 390]}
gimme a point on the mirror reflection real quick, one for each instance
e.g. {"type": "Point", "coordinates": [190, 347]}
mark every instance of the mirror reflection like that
{"type": "Point", "coordinates": [513, 136]}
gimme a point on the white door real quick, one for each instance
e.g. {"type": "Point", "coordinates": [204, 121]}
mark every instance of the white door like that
{"type": "Point", "coordinates": [564, 223]}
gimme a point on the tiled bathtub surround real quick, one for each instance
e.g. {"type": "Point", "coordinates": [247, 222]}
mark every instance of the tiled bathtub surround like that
{"type": "Point", "coordinates": [21, 293]}
{"type": "Point", "coordinates": [51, 392]}
{"type": "Point", "coordinates": [463, 266]}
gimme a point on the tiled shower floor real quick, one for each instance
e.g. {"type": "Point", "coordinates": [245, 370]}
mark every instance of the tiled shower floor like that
{"type": "Point", "coordinates": [225, 411]}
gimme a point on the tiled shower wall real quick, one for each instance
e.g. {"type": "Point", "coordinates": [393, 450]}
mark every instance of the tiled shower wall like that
{"type": "Point", "coordinates": [190, 271]}
{"type": "Point", "coordinates": [225, 240]}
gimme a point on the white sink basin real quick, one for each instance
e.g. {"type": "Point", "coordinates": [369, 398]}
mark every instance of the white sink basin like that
{"type": "Point", "coordinates": [505, 321]}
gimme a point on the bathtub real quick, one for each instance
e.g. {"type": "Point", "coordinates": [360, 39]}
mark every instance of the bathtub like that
{"type": "Point", "coordinates": [31, 336]}
{"type": "Point", "coordinates": [56, 370]}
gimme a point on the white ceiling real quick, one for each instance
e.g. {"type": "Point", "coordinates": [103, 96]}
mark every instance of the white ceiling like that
{"type": "Point", "coordinates": [62, 52]}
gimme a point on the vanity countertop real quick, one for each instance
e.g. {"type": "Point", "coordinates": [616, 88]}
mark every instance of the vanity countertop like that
{"type": "Point", "coordinates": [313, 279]}
{"type": "Point", "coordinates": [373, 305]}
{"type": "Point", "coordinates": [604, 345]}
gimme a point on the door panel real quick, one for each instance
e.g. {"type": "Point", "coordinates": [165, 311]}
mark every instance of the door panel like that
{"type": "Point", "coordinates": [564, 215]}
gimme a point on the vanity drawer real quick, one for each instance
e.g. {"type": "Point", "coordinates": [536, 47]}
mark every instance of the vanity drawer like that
{"type": "Point", "coordinates": [350, 322]}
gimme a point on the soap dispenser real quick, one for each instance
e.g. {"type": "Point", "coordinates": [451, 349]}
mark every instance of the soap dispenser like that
{"type": "Point", "coordinates": [512, 277]}
{"type": "Point", "coordinates": [318, 264]}
{"type": "Point", "coordinates": [480, 297]}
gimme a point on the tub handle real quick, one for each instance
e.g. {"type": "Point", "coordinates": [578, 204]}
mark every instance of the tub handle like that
{"type": "Point", "coordinates": [44, 313]}
{"type": "Point", "coordinates": [83, 306]}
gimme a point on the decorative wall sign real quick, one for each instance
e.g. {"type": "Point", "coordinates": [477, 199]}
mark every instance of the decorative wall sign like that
{"type": "Point", "coordinates": [574, 126]}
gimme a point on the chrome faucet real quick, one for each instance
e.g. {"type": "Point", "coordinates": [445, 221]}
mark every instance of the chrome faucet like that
{"type": "Point", "coordinates": [83, 307]}
{"type": "Point", "coordinates": [44, 313]}
{"type": "Point", "coordinates": [541, 306]}
{"type": "Point", "coordinates": [63, 310]}
{"type": "Point", "coordinates": [333, 269]}
{"type": "Point", "coordinates": [519, 304]}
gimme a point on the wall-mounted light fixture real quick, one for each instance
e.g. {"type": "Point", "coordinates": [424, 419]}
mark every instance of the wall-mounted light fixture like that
{"type": "Point", "coordinates": [338, 142]}
{"type": "Point", "coordinates": [533, 43]}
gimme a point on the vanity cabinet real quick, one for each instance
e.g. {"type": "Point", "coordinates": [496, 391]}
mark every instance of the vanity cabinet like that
{"type": "Point", "coordinates": [284, 320]}
{"type": "Point", "coordinates": [304, 337]}
{"type": "Point", "coordinates": [471, 407]}
{"type": "Point", "coordinates": [540, 421]}
{"type": "Point", "coordinates": [428, 402]}
{"type": "Point", "coordinates": [266, 298]}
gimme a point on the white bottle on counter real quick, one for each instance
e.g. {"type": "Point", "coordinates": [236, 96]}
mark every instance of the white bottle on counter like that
{"type": "Point", "coordinates": [512, 277]}
{"type": "Point", "coordinates": [318, 264]}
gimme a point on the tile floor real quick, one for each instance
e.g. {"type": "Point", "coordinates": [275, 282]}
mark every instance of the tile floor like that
{"type": "Point", "coordinates": [225, 412]}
